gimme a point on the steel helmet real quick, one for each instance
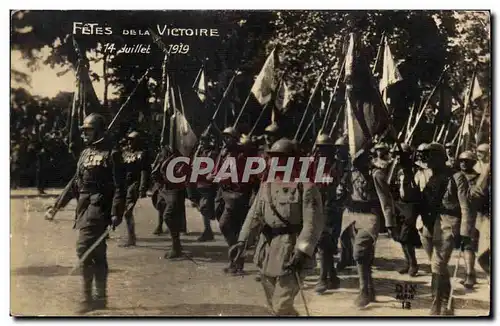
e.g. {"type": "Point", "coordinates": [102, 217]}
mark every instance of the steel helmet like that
{"type": "Point", "coordinates": [231, 131]}
{"type": "Point", "coordinates": [271, 129]}
{"type": "Point", "coordinates": [467, 155]}
{"type": "Point", "coordinates": [324, 140]}
{"type": "Point", "coordinates": [93, 121]}
{"type": "Point", "coordinates": [133, 134]}
{"type": "Point", "coordinates": [283, 146]}
{"type": "Point", "coordinates": [422, 147]}
{"type": "Point", "coordinates": [483, 148]}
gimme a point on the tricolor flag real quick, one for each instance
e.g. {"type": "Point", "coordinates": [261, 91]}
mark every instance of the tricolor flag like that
{"type": "Point", "coordinates": [365, 112]}
{"type": "Point", "coordinates": [265, 83]}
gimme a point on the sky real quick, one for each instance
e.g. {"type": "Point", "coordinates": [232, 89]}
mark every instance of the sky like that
{"type": "Point", "coordinates": [46, 83]}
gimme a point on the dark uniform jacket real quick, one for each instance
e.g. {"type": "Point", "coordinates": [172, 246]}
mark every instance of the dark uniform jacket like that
{"type": "Point", "coordinates": [99, 187]}
{"type": "Point", "coordinates": [137, 168]}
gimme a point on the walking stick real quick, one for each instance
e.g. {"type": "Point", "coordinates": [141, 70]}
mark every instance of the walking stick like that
{"type": "Point", "coordinates": [89, 251]}
{"type": "Point", "coordinates": [302, 293]}
{"type": "Point", "coordinates": [450, 300]}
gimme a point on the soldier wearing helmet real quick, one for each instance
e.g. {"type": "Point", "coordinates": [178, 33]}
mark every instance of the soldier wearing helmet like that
{"type": "Point", "coordinates": [137, 169]}
{"type": "Point", "coordinates": [369, 190]}
{"type": "Point", "coordinates": [288, 236]}
{"type": "Point", "coordinates": [327, 246]}
{"type": "Point", "coordinates": [99, 188]}
{"type": "Point", "coordinates": [234, 196]}
{"type": "Point", "coordinates": [466, 161]}
{"type": "Point", "coordinates": [206, 188]}
{"type": "Point", "coordinates": [406, 200]}
{"type": "Point", "coordinates": [450, 154]}
{"type": "Point", "coordinates": [483, 158]}
{"type": "Point", "coordinates": [446, 213]}
{"type": "Point", "coordinates": [271, 134]}
{"type": "Point", "coordinates": [347, 238]}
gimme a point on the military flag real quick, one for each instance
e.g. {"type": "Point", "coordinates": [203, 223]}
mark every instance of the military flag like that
{"type": "Point", "coordinates": [467, 127]}
{"type": "Point", "coordinates": [390, 72]}
{"type": "Point", "coordinates": [265, 83]}
{"type": "Point", "coordinates": [365, 111]}
{"type": "Point", "coordinates": [283, 97]}
{"type": "Point", "coordinates": [185, 138]}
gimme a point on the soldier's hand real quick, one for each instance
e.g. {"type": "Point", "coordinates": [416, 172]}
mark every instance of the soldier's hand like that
{"type": "Point", "coordinates": [296, 261]}
{"type": "Point", "coordinates": [50, 213]}
{"type": "Point", "coordinates": [115, 221]}
{"type": "Point", "coordinates": [236, 251]}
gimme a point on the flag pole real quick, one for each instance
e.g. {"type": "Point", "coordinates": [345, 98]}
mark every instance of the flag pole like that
{"type": "Point", "coordinates": [466, 111]}
{"type": "Point", "coordinates": [379, 52]}
{"type": "Point", "coordinates": [308, 104]}
{"type": "Point", "coordinates": [420, 114]}
{"type": "Point", "coordinates": [336, 120]}
{"type": "Point", "coordinates": [308, 126]}
{"type": "Point", "coordinates": [328, 109]}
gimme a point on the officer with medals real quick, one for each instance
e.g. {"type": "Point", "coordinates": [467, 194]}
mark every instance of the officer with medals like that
{"type": "Point", "coordinates": [98, 185]}
{"type": "Point", "coordinates": [137, 168]}
{"type": "Point", "coordinates": [291, 220]}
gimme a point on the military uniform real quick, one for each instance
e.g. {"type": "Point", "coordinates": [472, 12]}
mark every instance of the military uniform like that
{"type": "Point", "coordinates": [137, 168]}
{"type": "Point", "coordinates": [235, 197]}
{"type": "Point", "coordinates": [370, 194]}
{"type": "Point", "coordinates": [207, 191]}
{"type": "Point", "coordinates": [15, 165]}
{"type": "Point", "coordinates": [407, 200]}
{"type": "Point", "coordinates": [446, 216]}
{"type": "Point", "coordinates": [170, 199]}
{"type": "Point", "coordinates": [291, 218]}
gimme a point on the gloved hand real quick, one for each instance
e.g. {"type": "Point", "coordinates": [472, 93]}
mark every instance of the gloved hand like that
{"type": "Point", "coordinates": [465, 242]}
{"type": "Point", "coordinates": [143, 194]}
{"type": "Point", "coordinates": [236, 251]}
{"type": "Point", "coordinates": [50, 213]}
{"type": "Point", "coordinates": [296, 261]}
{"type": "Point", "coordinates": [115, 221]}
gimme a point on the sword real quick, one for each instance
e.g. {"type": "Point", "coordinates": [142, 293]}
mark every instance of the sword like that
{"type": "Point", "coordinates": [89, 251]}
{"type": "Point", "coordinates": [302, 293]}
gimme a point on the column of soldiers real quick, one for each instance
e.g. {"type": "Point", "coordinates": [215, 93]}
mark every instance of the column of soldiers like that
{"type": "Point", "coordinates": [294, 221]}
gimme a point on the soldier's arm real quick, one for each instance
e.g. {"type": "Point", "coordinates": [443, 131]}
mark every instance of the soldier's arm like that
{"type": "Point", "coordinates": [313, 219]}
{"type": "Point", "coordinates": [67, 194]}
{"type": "Point", "coordinates": [119, 195]}
{"type": "Point", "coordinates": [384, 196]}
{"type": "Point", "coordinates": [468, 219]}
{"type": "Point", "coordinates": [254, 217]}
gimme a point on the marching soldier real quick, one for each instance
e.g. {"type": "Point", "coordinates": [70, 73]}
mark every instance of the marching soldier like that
{"type": "Point", "coordinates": [235, 196]}
{"type": "Point", "coordinates": [406, 200]}
{"type": "Point", "coordinates": [450, 155]}
{"type": "Point", "coordinates": [137, 168]}
{"type": "Point", "coordinates": [466, 161]}
{"type": "Point", "coordinates": [446, 215]}
{"type": "Point", "coordinates": [271, 135]}
{"type": "Point", "coordinates": [206, 188]}
{"type": "Point", "coordinates": [370, 193]}
{"type": "Point", "coordinates": [328, 243]}
{"type": "Point", "coordinates": [483, 158]}
{"type": "Point", "coordinates": [100, 191]}
{"type": "Point", "coordinates": [347, 237]}
{"type": "Point", "coordinates": [291, 220]}
{"type": "Point", "coordinates": [170, 197]}
{"type": "Point", "coordinates": [422, 176]}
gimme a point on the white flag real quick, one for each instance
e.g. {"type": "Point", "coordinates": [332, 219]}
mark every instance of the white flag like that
{"type": "Point", "coordinates": [265, 83]}
{"type": "Point", "coordinates": [390, 73]}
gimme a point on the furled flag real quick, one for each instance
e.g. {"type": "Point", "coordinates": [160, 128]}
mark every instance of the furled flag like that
{"type": "Point", "coordinates": [265, 83]}
{"type": "Point", "coordinates": [202, 88]}
{"type": "Point", "coordinates": [365, 112]}
{"type": "Point", "coordinates": [390, 72]}
{"type": "Point", "coordinates": [185, 138]}
{"type": "Point", "coordinates": [476, 90]}
{"type": "Point", "coordinates": [284, 96]}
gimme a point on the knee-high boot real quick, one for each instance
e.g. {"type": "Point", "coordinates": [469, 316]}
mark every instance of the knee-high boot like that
{"type": "Point", "coordinates": [86, 303]}
{"type": "Point", "coordinates": [131, 239]}
{"type": "Point", "coordinates": [436, 295]}
{"type": "Point", "coordinates": [363, 299]}
{"type": "Point", "coordinates": [445, 285]}
{"type": "Point", "coordinates": [470, 277]}
{"type": "Point", "coordinates": [101, 285]}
